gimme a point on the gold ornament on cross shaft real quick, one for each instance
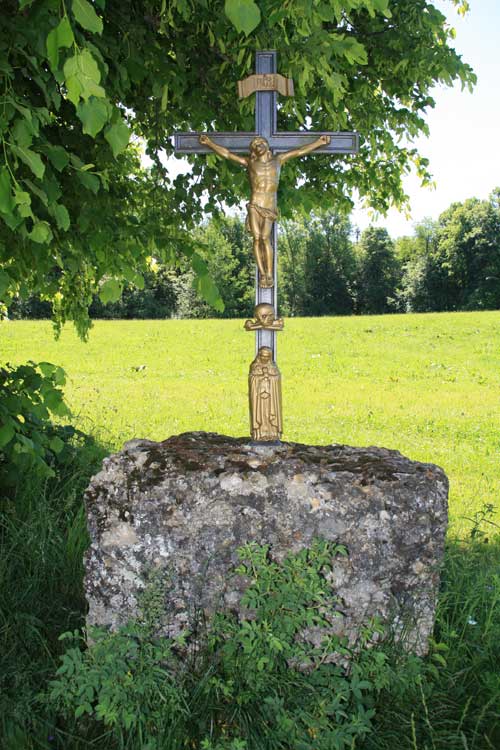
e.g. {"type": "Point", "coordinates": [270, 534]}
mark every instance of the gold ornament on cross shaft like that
{"type": "Point", "coordinates": [265, 82]}
{"type": "Point", "coordinates": [264, 319]}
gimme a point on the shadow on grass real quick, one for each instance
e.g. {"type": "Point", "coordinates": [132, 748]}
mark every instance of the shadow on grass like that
{"type": "Point", "coordinates": [453, 705]}
{"type": "Point", "coordinates": [43, 537]}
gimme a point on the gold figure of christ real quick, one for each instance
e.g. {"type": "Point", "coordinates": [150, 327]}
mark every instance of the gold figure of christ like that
{"type": "Point", "coordinates": [263, 173]}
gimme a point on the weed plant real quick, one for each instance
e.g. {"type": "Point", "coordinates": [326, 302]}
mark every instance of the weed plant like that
{"type": "Point", "coordinates": [252, 683]}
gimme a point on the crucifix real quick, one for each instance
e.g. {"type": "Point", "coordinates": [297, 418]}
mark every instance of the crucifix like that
{"type": "Point", "coordinates": [267, 150]}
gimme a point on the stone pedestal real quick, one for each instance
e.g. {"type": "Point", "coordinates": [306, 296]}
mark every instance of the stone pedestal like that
{"type": "Point", "coordinates": [184, 506]}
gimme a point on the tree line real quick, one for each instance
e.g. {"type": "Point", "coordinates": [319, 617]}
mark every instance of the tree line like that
{"type": "Point", "coordinates": [452, 263]}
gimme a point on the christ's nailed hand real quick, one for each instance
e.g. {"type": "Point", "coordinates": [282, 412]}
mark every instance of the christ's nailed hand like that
{"type": "Point", "coordinates": [325, 138]}
{"type": "Point", "coordinates": [203, 138]}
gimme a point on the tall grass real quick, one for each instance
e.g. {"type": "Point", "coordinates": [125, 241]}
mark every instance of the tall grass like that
{"type": "Point", "coordinates": [43, 537]}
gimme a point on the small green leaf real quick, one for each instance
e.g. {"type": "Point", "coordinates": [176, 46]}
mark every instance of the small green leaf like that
{"type": "Point", "coordinates": [110, 291]}
{"type": "Point", "coordinates": [80, 710]}
{"type": "Point", "coordinates": [209, 291]}
{"type": "Point", "coordinates": [61, 36]}
{"type": "Point", "coordinates": [62, 217]}
{"type": "Point", "coordinates": [199, 266]}
{"type": "Point", "coordinates": [94, 114]}
{"type": "Point", "coordinates": [47, 369]}
{"type": "Point", "coordinates": [5, 281]}
{"type": "Point", "coordinates": [138, 280]}
{"type": "Point", "coordinates": [22, 132]}
{"type": "Point", "coordinates": [21, 195]}
{"type": "Point", "coordinates": [118, 136]}
{"type": "Point", "coordinates": [164, 98]}
{"type": "Point", "coordinates": [31, 159]}
{"type": "Point", "coordinates": [7, 432]}
{"type": "Point", "coordinates": [243, 14]}
{"type": "Point", "coordinates": [23, 201]}
{"type": "Point", "coordinates": [74, 89]}
{"type": "Point", "coordinates": [59, 376]}
{"type": "Point", "coordinates": [56, 444]}
{"type": "Point", "coordinates": [53, 400]}
{"type": "Point", "coordinates": [89, 181]}
{"type": "Point", "coordinates": [6, 200]}
{"type": "Point", "coordinates": [41, 232]}
{"type": "Point", "coordinates": [59, 157]}
{"type": "Point", "coordinates": [86, 16]}
{"type": "Point", "coordinates": [383, 7]}
{"type": "Point", "coordinates": [82, 77]}
{"type": "Point", "coordinates": [22, 198]}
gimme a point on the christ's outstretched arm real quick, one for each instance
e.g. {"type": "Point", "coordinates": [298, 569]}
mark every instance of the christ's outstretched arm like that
{"type": "Point", "coordinates": [323, 140]}
{"type": "Point", "coordinates": [224, 152]}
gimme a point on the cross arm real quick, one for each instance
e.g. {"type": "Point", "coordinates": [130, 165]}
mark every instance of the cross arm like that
{"type": "Point", "coordinates": [188, 143]}
{"type": "Point", "coordinates": [340, 143]}
{"type": "Point", "coordinates": [239, 143]}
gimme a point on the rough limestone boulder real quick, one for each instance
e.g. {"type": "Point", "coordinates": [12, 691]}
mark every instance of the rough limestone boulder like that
{"type": "Point", "coordinates": [184, 506]}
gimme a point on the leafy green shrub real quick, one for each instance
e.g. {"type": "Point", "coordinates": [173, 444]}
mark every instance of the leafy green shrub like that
{"type": "Point", "coordinates": [243, 684]}
{"type": "Point", "coordinates": [29, 394]}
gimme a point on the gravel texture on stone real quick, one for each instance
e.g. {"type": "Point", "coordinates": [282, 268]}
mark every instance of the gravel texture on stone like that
{"type": "Point", "coordinates": [182, 508]}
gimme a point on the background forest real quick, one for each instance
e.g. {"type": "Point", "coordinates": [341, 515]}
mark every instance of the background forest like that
{"type": "Point", "coordinates": [327, 267]}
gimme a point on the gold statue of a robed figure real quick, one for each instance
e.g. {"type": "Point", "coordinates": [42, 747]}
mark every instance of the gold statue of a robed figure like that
{"type": "Point", "coordinates": [264, 388]}
{"type": "Point", "coordinates": [263, 173]}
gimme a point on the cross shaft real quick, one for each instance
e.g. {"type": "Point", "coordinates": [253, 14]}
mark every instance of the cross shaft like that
{"type": "Point", "coordinates": [232, 143]}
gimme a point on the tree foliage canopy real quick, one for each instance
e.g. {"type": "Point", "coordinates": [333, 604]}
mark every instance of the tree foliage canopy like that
{"type": "Point", "coordinates": [78, 211]}
{"type": "Point", "coordinates": [453, 263]}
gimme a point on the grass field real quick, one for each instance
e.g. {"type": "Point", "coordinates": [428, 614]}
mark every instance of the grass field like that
{"type": "Point", "coordinates": [427, 385]}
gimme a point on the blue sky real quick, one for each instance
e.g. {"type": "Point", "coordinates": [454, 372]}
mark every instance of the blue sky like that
{"type": "Point", "coordinates": [464, 142]}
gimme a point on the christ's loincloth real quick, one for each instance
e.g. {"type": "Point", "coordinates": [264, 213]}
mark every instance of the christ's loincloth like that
{"type": "Point", "coordinates": [265, 213]}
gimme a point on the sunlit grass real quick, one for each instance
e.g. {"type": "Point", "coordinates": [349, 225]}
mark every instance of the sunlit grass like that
{"type": "Point", "coordinates": [427, 385]}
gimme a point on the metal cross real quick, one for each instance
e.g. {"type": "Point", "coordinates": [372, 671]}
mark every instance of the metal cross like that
{"type": "Point", "coordinates": [266, 125]}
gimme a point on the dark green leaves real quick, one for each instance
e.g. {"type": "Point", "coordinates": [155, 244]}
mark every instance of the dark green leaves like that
{"type": "Point", "coordinates": [7, 432]}
{"type": "Point", "coordinates": [62, 217]}
{"type": "Point", "coordinates": [28, 440]}
{"type": "Point", "coordinates": [243, 14]}
{"type": "Point", "coordinates": [58, 157]}
{"type": "Point", "coordinates": [110, 291]}
{"type": "Point", "coordinates": [31, 158]}
{"type": "Point", "coordinates": [41, 232]}
{"type": "Point", "coordinates": [6, 201]}
{"type": "Point", "coordinates": [204, 284]}
{"type": "Point", "coordinates": [174, 69]}
{"type": "Point", "coordinates": [55, 372]}
{"type": "Point", "coordinates": [61, 36]}
{"type": "Point", "coordinates": [86, 16]}
{"type": "Point", "coordinates": [82, 77]}
{"type": "Point", "coordinates": [118, 136]}
{"type": "Point", "coordinates": [94, 114]}
{"type": "Point", "coordinates": [5, 281]}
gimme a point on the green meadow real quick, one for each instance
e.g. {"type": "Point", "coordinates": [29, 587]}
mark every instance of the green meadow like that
{"type": "Point", "coordinates": [427, 385]}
